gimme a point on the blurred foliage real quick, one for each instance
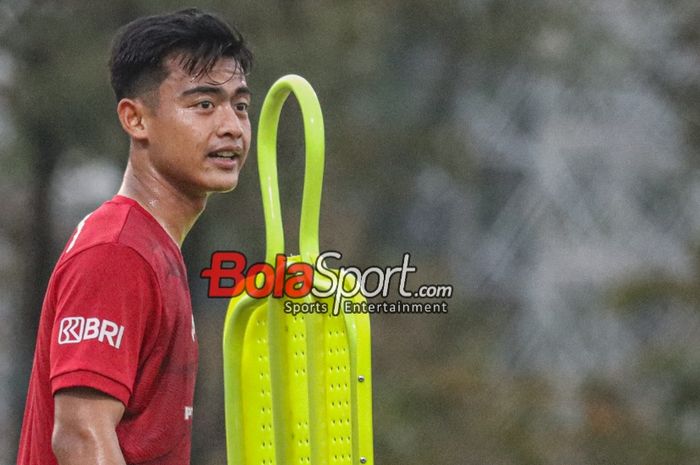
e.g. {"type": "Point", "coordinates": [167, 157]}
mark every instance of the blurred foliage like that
{"type": "Point", "coordinates": [405, 86]}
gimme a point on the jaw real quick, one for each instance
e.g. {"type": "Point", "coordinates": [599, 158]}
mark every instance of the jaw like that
{"type": "Point", "coordinates": [220, 180]}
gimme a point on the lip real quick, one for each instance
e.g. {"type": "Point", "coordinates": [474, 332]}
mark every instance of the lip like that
{"type": "Point", "coordinates": [237, 149]}
{"type": "Point", "coordinates": [226, 163]}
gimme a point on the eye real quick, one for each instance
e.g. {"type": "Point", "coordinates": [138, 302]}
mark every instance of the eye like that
{"type": "Point", "coordinates": [205, 105]}
{"type": "Point", "coordinates": [241, 106]}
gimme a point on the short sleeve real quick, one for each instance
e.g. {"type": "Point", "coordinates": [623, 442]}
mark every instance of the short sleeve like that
{"type": "Point", "coordinates": [106, 311]}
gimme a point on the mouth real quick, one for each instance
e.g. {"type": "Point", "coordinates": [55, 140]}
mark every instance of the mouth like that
{"type": "Point", "coordinates": [224, 154]}
{"type": "Point", "coordinates": [227, 160]}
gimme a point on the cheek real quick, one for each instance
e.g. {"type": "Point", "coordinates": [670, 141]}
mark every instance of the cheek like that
{"type": "Point", "coordinates": [247, 131]}
{"type": "Point", "coordinates": [184, 123]}
{"type": "Point", "coordinates": [182, 130]}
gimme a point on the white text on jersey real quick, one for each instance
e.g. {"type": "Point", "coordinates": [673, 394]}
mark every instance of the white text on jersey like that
{"type": "Point", "coordinates": [74, 329]}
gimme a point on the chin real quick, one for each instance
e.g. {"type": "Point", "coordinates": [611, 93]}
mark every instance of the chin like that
{"type": "Point", "coordinates": [217, 183]}
{"type": "Point", "coordinates": [228, 189]}
{"type": "Point", "coordinates": [224, 187]}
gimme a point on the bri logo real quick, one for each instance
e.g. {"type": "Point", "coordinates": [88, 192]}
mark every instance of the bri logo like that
{"type": "Point", "coordinates": [76, 329]}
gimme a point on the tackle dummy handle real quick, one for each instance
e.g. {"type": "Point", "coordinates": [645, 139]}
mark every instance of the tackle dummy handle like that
{"type": "Point", "coordinates": [313, 169]}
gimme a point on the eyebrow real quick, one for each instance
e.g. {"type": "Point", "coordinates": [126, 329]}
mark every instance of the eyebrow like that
{"type": "Point", "coordinates": [243, 90]}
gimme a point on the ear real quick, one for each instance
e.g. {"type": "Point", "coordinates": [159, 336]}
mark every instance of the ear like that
{"type": "Point", "coordinates": [133, 117]}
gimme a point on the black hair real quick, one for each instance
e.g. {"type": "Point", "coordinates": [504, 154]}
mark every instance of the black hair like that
{"type": "Point", "coordinates": [140, 47]}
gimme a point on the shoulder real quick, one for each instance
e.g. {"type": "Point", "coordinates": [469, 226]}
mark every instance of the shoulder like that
{"type": "Point", "coordinates": [107, 269]}
{"type": "Point", "coordinates": [106, 256]}
{"type": "Point", "coordinates": [119, 228]}
{"type": "Point", "coordinates": [102, 226]}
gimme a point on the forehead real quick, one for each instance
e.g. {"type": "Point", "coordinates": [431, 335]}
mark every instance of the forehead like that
{"type": "Point", "coordinates": [226, 70]}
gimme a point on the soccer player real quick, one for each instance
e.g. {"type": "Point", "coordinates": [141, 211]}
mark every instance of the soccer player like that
{"type": "Point", "coordinates": [116, 354]}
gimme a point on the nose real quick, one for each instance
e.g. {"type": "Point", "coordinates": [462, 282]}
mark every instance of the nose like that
{"type": "Point", "coordinates": [230, 125]}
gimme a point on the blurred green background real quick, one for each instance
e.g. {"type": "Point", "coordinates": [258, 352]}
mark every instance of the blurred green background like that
{"type": "Point", "coordinates": [540, 156]}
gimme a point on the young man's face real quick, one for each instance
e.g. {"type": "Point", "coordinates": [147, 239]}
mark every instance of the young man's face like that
{"type": "Point", "coordinates": [198, 130]}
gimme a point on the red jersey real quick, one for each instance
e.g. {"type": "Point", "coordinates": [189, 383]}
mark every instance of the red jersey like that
{"type": "Point", "coordinates": [117, 317]}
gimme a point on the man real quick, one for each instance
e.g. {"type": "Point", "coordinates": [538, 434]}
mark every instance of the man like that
{"type": "Point", "coordinates": [116, 354]}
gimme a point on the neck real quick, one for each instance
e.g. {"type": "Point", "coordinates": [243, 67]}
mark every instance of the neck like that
{"type": "Point", "coordinates": [173, 209]}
